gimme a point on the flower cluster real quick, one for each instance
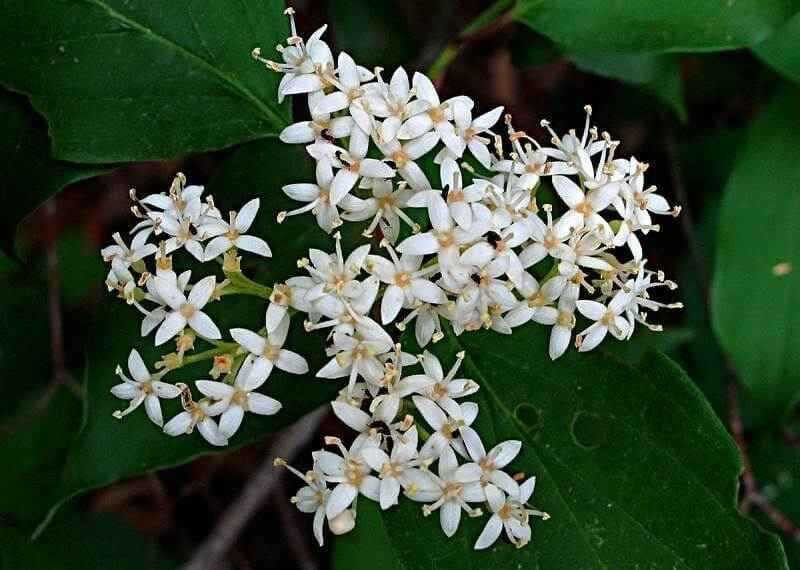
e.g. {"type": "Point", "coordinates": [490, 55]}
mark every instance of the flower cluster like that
{"type": "Point", "coordinates": [488, 235]}
{"type": "Point", "coordinates": [386, 456]}
{"type": "Point", "coordinates": [174, 309]}
{"type": "Point", "coordinates": [490, 253]}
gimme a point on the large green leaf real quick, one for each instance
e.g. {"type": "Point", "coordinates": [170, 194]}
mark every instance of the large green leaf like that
{"type": "Point", "coordinates": [689, 25]}
{"type": "Point", "coordinates": [757, 277]}
{"type": "Point", "coordinates": [107, 450]}
{"type": "Point", "coordinates": [29, 175]}
{"type": "Point", "coordinates": [122, 80]}
{"type": "Point", "coordinates": [632, 464]}
{"type": "Point", "coordinates": [780, 50]}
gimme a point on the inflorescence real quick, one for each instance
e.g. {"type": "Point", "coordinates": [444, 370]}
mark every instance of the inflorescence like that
{"type": "Point", "coordinates": [468, 268]}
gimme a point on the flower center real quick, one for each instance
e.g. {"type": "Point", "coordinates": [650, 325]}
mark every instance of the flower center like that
{"type": "Point", "coordinates": [400, 158]}
{"type": "Point", "coordinates": [446, 239]}
{"type": "Point", "coordinates": [187, 310]}
{"type": "Point", "coordinates": [271, 352]}
{"type": "Point", "coordinates": [402, 279]}
{"type": "Point", "coordinates": [565, 319]}
{"type": "Point", "coordinates": [584, 208]}
{"type": "Point", "coordinates": [436, 114]}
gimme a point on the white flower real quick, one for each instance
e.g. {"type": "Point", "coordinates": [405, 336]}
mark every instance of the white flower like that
{"type": "Point", "coordinates": [385, 207]}
{"type": "Point", "coordinates": [137, 251]}
{"type": "Point", "coordinates": [356, 165]}
{"type": "Point", "coordinates": [230, 234]}
{"type": "Point", "coordinates": [232, 401]}
{"type": "Point", "coordinates": [606, 319]}
{"type": "Point", "coordinates": [444, 239]}
{"type": "Point", "coordinates": [536, 300]}
{"type": "Point", "coordinates": [448, 427]}
{"type": "Point", "coordinates": [318, 198]}
{"type": "Point", "coordinates": [575, 152]}
{"type": "Point", "coordinates": [460, 199]}
{"type": "Point", "coordinates": [561, 332]}
{"type": "Point", "coordinates": [487, 469]}
{"type": "Point", "coordinates": [406, 282]}
{"type": "Point", "coordinates": [155, 317]}
{"type": "Point", "coordinates": [436, 115]}
{"type": "Point", "coordinates": [345, 316]}
{"type": "Point", "coordinates": [143, 387]}
{"type": "Point", "coordinates": [320, 127]}
{"type": "Point", "coordinates": [510, 513]}
{"type": "Point", "coordinates": [268, 352]}
{"type": "Point", "coordinates": [394, 103]}
{"type": "Point", "coordinates": [349, 94]}
{"type": "Point", "coordinates": [285, 295]}
{"type": "Point", "coordinates": [447, 494]}
{"type": "Point", "coordinates": [186, 311]}
{"type": "Point", "coordinates": [357, 355]}
{"type": "Point", "coordinates": [468, 130]}
{"type": "Point", "coordinates": [311, 498]}
{"type": "Point", "coordinates": [441, 387]}
{"type": "Point", "coordinates": [548, 239]}
{"type": "Point", "coordinates": [351, 473]}
{"type": "Point", "coordinates": [584, 208]}
{"type": "Point", "coordinates": [306, 65]}
{"type": "Point", "coordinates": [394, 469]}
{"type": "Point", "coordinates": [404, 157]}
{"type": "Point", "coordinates": [333, 275]}
{"type": "Point", "coordinates": [195, 414]}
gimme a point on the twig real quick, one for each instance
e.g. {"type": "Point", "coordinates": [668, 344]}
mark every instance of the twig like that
{"type": "Point", "coordinates": [257, 489]}
{"type": "Point", "coordinates": [752, 494]}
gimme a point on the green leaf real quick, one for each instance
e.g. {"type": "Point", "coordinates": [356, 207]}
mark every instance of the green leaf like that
{"type": "Point", "coordinates": [631, 463]}
{"type": "Point", "coordinates": [81, 542]}
{"type": "Point", "coordinates": [127, 80]}
{"type": "Point", "coordinates": [690, 25]}
{"type": "Point", "coordinates": [780, 49]}
{"type": "Point", "coordinates": [35, 444]}
{"type": "Point", "coordinates": [134, 445]}
{"type": "Point", "coordinates": [657, 74]}
{"type": "Point", "coordinates": [30, 176]}
{"type": "Point", "coordinates": [757, 276]}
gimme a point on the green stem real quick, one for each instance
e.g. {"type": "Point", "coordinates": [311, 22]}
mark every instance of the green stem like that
{"type": "Point", "coordinates": [241, 285]}
{"type": "Point", "coordinates": [222, 348]}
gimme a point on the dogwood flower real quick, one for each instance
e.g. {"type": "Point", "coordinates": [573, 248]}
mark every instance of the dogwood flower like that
{"type": "Point", "coordinates": [269, 352]}
{"type": "Point", "coordinates": [607, 318]}
{"type": "Point", "coordinates": [313, 497]}
{"type": "Point", "coordinates": [350, 472]}
{"type": "Point", "coordinates": [357, 355]}
{"type": "Point", "coordinates": [510, 513]}
{"type": "Point", "coordinates": [393, 470]}
{"type": "Point", "coordinates": [468, 130]}
{"type": "Point", "coordinates": [143, 387]}
{"type": "Point", "coordinates": [444, 388]}
{"type": "Point", "coordinates": [231, 234]}
{"type": "Point", "coordinates": [406, 282]}
{"type": "Point", "coordinates": [449, 427]}
{"type": "Point", "coordinates": [447, 494]}
{"type": "Point", "coordinates": [318, 197]}
{"type": "Point", "coordinates": [320, 127]}
{"type": "Point", "coordinates": [195, 414]}
{"type": "Point", "coordinates": [186, 311]}
{"type": "Point", "coordinates": [232, 401]}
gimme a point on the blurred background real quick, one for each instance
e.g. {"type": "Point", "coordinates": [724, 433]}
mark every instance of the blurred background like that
{"type": "Point", "coordinates": [686, 115]}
